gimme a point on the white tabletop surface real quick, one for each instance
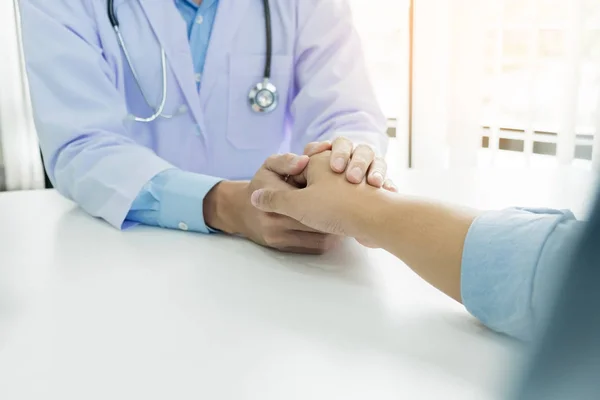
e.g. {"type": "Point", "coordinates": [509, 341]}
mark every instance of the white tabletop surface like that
{"type": "Point", "coordinates": [88, 312]}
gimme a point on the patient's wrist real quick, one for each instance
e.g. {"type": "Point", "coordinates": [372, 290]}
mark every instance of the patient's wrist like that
{"type": "Point", "coordinates": [368, 212]}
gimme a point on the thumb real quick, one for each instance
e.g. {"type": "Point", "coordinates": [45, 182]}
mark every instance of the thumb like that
{"type": "Point", "coordinates": [274, 201]}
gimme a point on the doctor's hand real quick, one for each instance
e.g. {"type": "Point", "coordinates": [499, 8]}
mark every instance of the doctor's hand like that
{"type": "Point", "coordinates": [238, 216]}
{"type": "Point", "coordinates": [356, 163]}
{"type": "Point", "coordinates": [328, 203]}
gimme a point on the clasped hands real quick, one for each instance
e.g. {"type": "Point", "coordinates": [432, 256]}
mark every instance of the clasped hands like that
{"type": "Point", "coordinates": [292, 202]}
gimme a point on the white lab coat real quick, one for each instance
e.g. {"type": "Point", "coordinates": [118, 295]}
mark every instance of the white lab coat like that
{"type": "Point", "coordinates": [82, 92]}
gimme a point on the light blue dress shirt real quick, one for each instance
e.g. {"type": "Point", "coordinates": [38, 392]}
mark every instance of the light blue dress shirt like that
{"type": "Point", "coordinates": [174, 198]}
{"type": "Point", "coordinates": [512, 262]}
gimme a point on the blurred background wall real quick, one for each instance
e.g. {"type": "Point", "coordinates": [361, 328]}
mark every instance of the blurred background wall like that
{"type": "Point", "coordinates": [464, 83]}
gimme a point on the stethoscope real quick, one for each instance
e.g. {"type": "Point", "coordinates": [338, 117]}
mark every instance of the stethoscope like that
{"type": "Point", "coordinates": [263, 97]}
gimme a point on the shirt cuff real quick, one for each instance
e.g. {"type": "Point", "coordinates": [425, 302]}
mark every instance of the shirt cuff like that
{"type": "Point", "coordinates": [173, 199]}
{"type": "Point", "coordinates": [182, 201]}
{"type": "Point", "coordinates": [499, 263]}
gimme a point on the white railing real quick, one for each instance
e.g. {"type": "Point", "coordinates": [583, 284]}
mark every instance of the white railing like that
{"type": "Point", "coordinates": [18, 140]}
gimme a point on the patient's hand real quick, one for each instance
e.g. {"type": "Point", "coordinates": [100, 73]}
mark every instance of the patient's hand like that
{"type": "Point", "coordinates": [329, 203]}
{"type": "Point", "coordinates": [358, 162]}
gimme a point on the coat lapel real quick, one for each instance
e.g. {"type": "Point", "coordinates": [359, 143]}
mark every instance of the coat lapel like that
{"type": "Point", "coordinates": [229, 16]}
{"type": "Point", "coordinates": [170, 32]}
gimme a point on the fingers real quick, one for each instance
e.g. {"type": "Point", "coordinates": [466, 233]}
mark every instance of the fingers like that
{"type": "Point", "coordinates": [286, 164]}
{"type": "Point", "coordinates": [317, 147]}
{"type": "Point", "coordinates": [341, 151]}
{"type": "Point", "coordinates": [377, 172]}
{"type": "Point", "coordinates": [362, 158]}
{"type": "Point", "coordinates": [389, 186]}
{"type": "Point", "coordinates": [304, 242]}
{"type": "Point", "coordinates": [287, 234]}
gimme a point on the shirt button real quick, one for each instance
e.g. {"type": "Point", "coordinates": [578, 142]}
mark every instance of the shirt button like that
{"type": "Point", "coordinates": [198, 77]}
{"type": "Point", "coordinates": [199, 19]}
{"type": "Point", "coordinates": [183, 109]}
{"type": "Point", "coordinates": [183, 226]}
{"type": "Point", "coordinates": [198, 130]}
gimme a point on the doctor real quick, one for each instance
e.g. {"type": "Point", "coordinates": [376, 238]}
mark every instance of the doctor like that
{"type": "Point", "coordinates": [161, 111]}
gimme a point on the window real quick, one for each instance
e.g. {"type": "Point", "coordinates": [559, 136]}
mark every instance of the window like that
{"type": "Point", "coordinates": [542, 77]}
{"type": "Point", "coordinates": [535, 66]}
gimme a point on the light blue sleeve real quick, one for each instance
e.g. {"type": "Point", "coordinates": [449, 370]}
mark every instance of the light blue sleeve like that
{"type": "Point", "coordinates": [512, 261]}
{"type": "Point", "coordinates": [173, 199]}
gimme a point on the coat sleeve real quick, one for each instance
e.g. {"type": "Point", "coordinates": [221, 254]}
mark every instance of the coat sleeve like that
{"type": "Point", "coordinates": [334, 96]}
{"type": "Point", "coordinates": [79, 113]}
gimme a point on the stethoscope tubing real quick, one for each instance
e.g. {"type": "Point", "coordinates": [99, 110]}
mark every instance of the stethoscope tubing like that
{"type": "Point", "coordinates": [158, 112]}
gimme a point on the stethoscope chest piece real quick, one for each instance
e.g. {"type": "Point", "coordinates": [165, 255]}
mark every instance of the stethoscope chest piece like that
{"type": "Point", "coordinates": [263, 97]}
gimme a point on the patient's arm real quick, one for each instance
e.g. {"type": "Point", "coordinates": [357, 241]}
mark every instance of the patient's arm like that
{"type": "Point", "coordinates": [500, 264]}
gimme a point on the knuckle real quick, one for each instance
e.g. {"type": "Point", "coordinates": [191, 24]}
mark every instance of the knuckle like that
{"type": "Point", "coordinates": [308, 149]}
{"type": "Point", "coordinates": [380, 161]}
{"type": "Point", "coordinates": [379, 165]}
{"type": "Point", "coordinates": [340, 139]}
{"type": "Point", "coordinates": [342, 152]}
{"type": "Point", "coordinates": [360, 163]}
{"type": "Point", "coordinates": [289, 157]}
{"type": "Point", "coordinates": [272, 159]}
{"type": "Point", "coordinates": [366, 150]}
{"type": "Point", "coordinates": [342, 143]}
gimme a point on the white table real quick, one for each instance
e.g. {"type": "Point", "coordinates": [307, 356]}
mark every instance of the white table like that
{"type": "Point", "coordinates": [88, 312]}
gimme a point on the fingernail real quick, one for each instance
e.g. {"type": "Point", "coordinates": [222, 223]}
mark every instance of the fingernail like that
{"type": "Point", "coordinates": [339, 164]}
{"type": "Point", "coordinates": [390, 187]}
{"type": "Point", "coordinates": [377, 177]}
{"type": "Point", "coordinates": [356, 174]}
{"type": "Point", "coordinates": [255, 198]}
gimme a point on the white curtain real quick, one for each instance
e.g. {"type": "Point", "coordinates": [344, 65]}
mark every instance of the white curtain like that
{"type": "Point", "coordinates": [499, 71]}
{"type": "Point", "coordinates": [20, 158]}
{"type": "Point", "coordinates": [447, 60]}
